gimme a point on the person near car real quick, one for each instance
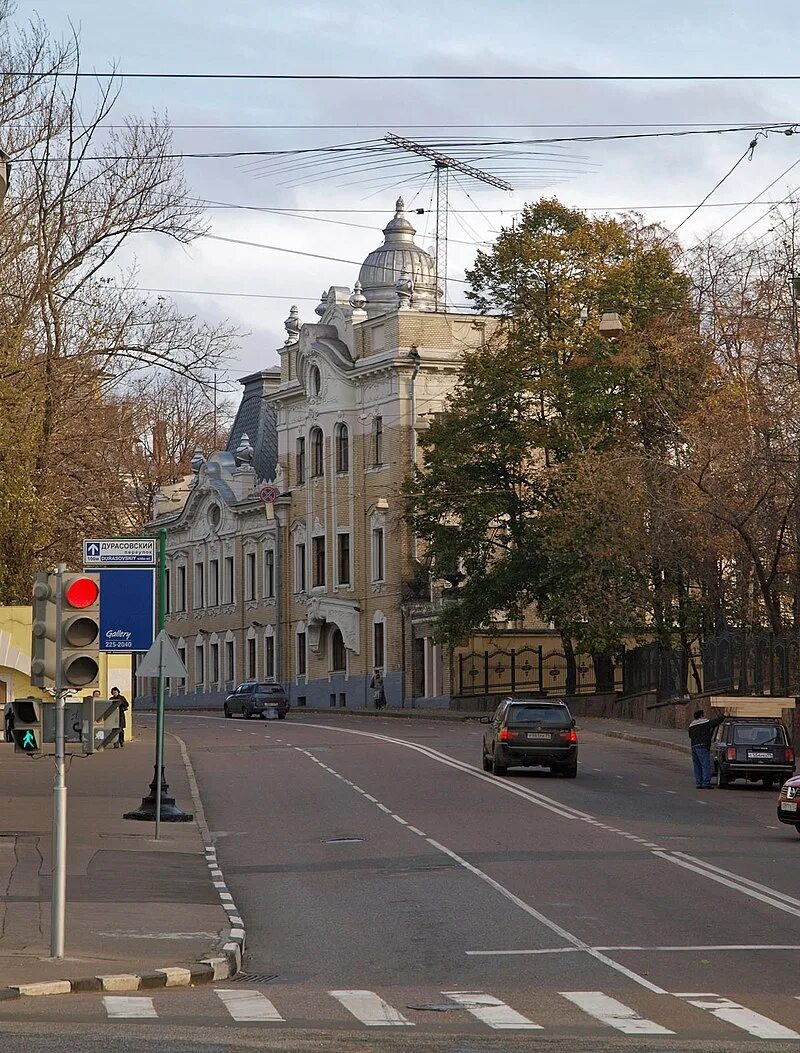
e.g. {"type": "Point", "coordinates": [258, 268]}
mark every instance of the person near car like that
{"type": "Point", "coordinates": [122, 702]}
{"type": "Point", "coordinates": [378, 693]}
{"type": "Point", "coordinates": [701, 731]}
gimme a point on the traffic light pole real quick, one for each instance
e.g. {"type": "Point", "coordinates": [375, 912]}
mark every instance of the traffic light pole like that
{"type": "Point", "coordinates": [162, 621]}
{"type": "Point", "coordinates": [58, 901]}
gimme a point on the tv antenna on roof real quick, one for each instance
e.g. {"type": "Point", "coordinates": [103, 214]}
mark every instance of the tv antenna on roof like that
{"type": "Point", "coordinates": [442, 165]}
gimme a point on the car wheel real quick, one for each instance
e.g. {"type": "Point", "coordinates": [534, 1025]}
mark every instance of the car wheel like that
{"type": "Point", "coordinates": [571, 772]}
{"type": "Point", "coordinates": [226, 711]}
{"type": "Point", "coordinates": [722, 780]}
{"type": "Point", "coordinates": [247, 712]}
{"type": "Point", "coordinates": [487, 763]}
{"type": "Point", "coordinates": [282, 716]}
{"type": "Point", "coordinates": [769, 782]}
{"type": "Point", "coordinates": [497, 767]}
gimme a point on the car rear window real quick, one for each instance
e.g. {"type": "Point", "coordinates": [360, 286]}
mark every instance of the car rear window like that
{"type": "Point", "coordinates": [759, 735]}
{"type": "Point", "coordinates": [538, 715]}
{"type": "Point", "coordinates": [269, 689]}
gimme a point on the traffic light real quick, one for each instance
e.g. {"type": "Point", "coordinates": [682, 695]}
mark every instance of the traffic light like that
{"type": "Point", "coordinates": [80, 630]}
{"type": "Point", "coordinates": [27, 725]}
{"type": "Point", "coordinates": [43, 630]}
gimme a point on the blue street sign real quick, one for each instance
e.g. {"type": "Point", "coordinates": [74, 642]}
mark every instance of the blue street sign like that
{"type": "Point", "coordinates": [127, 610]}
{"type": "Point", "coordinates": [119, 552]}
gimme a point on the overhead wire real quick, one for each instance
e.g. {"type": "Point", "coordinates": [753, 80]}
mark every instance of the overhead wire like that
{"type": "Point", "coordinates": [453, 77]}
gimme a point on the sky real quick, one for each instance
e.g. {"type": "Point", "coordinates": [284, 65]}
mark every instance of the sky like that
{"type": "Point", "coordinates": [254, 287]}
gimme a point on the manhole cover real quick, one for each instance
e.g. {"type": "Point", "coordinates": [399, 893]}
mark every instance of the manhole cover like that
{"type": "Point", "coordinates": [254, 978]}
{"type": "Point", "coordinates": [343, 840]}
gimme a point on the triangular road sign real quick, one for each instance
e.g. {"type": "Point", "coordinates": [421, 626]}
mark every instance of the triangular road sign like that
{"type": "Point", "coordinates": [162, 659]}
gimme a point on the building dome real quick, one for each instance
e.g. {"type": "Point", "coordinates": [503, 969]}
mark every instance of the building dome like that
{"type": "Point", "coordinates": [383, 267]}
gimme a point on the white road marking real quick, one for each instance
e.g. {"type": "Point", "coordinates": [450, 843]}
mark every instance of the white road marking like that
{"type": "Point", "coordinates": [542, 950]}
{"type": "Point", "coordinates": [741, 880]}
{"type": "Point", "coordinates": [693, 948]}
{"type": "Point", "coordinates": [492, 1011]}
{"type": "Point", "coordinates": [247, 1006]}
{"type": "Point", "coordinates": [371, 1010]}
{"type": "Point", "coordinates": [743, 885]}
{"type": "Point", "coordinates": [745, 1019]}
{"type": "Point", "coordinates": [615, 1014]}
{"type": "Point", "coordinates": [672, 791]}
{"type": "Point", "coordinates": [128, 1007]}
{"type": "Point", "coordinates": [552, 925]}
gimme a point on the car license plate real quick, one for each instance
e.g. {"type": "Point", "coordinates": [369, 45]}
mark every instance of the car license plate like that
{"type": "Point", "coordinates": [788, 806]}
{"type": "Point", "coordinates": [759, 755]}
{"type": "Point", "coordinates": [539, 735]}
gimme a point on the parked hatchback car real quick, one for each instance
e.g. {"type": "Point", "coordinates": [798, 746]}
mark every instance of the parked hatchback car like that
{"type": "Point", "coordinates": [531, 733]}
{"type": "Point", "coordinates": [257, 699]}
{"type": "Point", "coordinates": [753, 748]}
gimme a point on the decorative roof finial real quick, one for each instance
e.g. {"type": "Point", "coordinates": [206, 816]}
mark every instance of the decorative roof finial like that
{"type": "Point", "coordinates": [322, 306]}
{"type": "Point", "coordinates": [292, 324]}
{"type": "Point", "coordinates": [358, 300]}
{"type": "Point", "coordinates": [399, 208]}
{"type": "Point", "coordinates": [404, 287]}
{"type": "Point", "coordinates": [198, 459]}
{"type": "Point", "coordinates": [244, 451]}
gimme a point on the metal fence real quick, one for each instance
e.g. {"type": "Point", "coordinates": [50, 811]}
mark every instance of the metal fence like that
{"type": "Point", "coordinates": [735, 661]}
{"type": "Point", "coordinates": [525, 670]}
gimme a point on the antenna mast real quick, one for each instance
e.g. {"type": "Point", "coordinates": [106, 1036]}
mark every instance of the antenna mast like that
{"type": "Point", "coordinates": [442, 165]}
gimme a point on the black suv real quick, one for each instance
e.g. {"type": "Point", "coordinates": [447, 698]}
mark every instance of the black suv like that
{"type": "Point", "coordinates": [753, 748]}
{"type": "Point", "coordinates": [531, 733]}
{"type": "Point", "coordinates": [260, 699]}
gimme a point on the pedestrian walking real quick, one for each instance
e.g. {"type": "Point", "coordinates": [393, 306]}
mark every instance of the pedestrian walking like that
{"type": "Point", "coordinates": [378, 693]}
{"type": "Point", "coordinates": [701, 731]}
{"type": "Point", "coordinates": [121, 700]}
{"type": "Point", "coordinates": [8, 720]}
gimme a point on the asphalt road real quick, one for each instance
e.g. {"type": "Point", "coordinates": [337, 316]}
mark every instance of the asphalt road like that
{"type": "Point", "coordinates": [398, 898]}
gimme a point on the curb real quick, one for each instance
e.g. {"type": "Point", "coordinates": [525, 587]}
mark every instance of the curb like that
{"type": "Point", "coordinates": [646, 740]}
{"type": "Point", "coordinates": [205, 971]}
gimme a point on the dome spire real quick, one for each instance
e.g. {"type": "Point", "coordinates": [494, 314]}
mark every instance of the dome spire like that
{"type": "Point", "coordinates": [385, 265]}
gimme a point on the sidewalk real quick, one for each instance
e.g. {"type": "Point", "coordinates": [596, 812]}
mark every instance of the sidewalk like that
{"type": "Point", "coordinates": [669, 738]}
{"type": "Point", "coordinates": [133, 904]}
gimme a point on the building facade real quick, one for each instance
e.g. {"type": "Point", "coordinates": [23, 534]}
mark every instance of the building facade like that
{"type": "Point", "coordinates": [319, 585]}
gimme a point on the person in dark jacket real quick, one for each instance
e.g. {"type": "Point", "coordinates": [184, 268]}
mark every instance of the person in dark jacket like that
{"type": "Point", "coordinates": [701, 731]}
{"type": "Point", "coordinates": [121, 700]}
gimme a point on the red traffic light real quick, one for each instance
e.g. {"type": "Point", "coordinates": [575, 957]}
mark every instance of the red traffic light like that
{"type": "Point", "coordinates": [82, 592]}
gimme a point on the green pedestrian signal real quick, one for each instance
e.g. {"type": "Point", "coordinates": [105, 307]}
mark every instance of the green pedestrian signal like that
{"type": "Point", "coordinates": [27, 725]}
{"type": "Point", "coordinates": [26, 741]}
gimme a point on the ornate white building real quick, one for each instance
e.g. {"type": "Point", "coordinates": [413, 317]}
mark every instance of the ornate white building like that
{"type": "Point", "coordinates": [320, 586]}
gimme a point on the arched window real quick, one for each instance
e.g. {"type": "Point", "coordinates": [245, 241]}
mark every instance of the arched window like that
{"type": "Point", "coordinates": [338, 652]}
{"type": "Point", "coordinates": [342, 448]}
{"type": "Point", "coordinates": [316, 380]}
{"type": "Point", "coordinates": [317, 452]}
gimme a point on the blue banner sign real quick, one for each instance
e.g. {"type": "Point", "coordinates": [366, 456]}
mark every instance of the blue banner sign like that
{"type": "Point", "coordinates": [127, 610]}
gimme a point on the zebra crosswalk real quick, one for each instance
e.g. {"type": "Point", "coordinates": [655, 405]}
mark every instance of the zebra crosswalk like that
{"type": "Point", "coordinates": [371, 1009]}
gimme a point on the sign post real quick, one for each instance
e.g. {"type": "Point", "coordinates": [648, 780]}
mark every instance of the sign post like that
{"type": "Point", "coordinates": [58, 899]}
{"type": "Point", "coordinates": [161, 660]}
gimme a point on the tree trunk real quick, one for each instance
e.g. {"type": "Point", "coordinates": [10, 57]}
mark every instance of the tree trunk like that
{"type": "Point", "coordinates": [572, 665]}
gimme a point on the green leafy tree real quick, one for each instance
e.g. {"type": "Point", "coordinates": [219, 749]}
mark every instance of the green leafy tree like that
{"type": "Point", "coordinates": [537, 481]}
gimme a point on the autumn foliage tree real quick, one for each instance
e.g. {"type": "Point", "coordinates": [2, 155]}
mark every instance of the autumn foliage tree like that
{"type": "Point", "coordinates": [77, 333]}
{"type": "Point", "coordinates": [538, 480]}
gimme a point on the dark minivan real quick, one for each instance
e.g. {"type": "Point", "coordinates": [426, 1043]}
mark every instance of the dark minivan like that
{"type": "Point", "coordinates": [753, 748]}
{"type": "Point", "coordinates": [531, 733]}
{"type": "Point", "coordinates": [254, 699]}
